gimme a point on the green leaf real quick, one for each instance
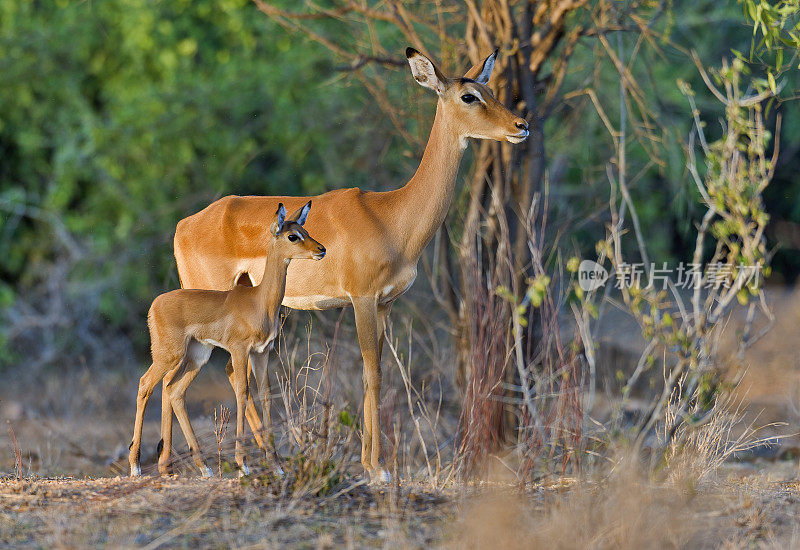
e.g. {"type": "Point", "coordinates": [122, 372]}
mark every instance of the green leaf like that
{"type": "Point", "coordinates": [572, 264]}
{"type": "Point", "coordinates": [751, 11]}
{"type": "Point", "coordinates": [742, 296]}
{"type": "Point", "coordinates": [345, 418]}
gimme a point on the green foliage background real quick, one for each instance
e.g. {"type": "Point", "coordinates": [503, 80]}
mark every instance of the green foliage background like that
{"type": "Point", "coordinates": [120, 117]}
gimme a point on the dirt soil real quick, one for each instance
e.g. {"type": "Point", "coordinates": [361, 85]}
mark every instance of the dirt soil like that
{"type": "Point", "coordinates": [192, 512]}
{"type": "Point", "coordinates": [745, 505]}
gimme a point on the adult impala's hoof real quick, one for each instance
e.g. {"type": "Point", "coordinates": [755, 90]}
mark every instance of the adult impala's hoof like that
{"type": "Point", "coordinates": [164, 468]}
{"type": "Point", "coordinates": [136, 471]}
{"type": "Point", "coordinates": [379, 476]}
{"type": "Point", "coordinates": [205, 471]}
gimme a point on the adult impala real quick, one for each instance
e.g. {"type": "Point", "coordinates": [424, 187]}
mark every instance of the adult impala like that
{"type": "Point", "coordinates": [374, 239]}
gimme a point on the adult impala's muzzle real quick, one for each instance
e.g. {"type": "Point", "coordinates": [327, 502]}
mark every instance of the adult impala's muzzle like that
{"type": "Point", "coordinates": [320, 253]}
{"type": "Point", "coordinates": [522, 135]}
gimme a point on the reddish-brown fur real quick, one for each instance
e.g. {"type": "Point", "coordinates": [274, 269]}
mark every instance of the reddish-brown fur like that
{"type": "Point", "coordinates": [185, 325]}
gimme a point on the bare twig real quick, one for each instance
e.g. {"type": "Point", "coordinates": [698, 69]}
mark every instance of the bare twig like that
{"type": "Point", "coordinates": [17, 454]}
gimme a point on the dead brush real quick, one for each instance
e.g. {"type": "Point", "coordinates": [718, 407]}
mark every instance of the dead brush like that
{"type": "Point", "coordinates": [696, 451]}
{"type": "Point", "coordinates": [319, 443]}
{"type": "Point", "coordinates": [618, 506]}
{"type": "Point", "coordinates": [552, 378]}
{"type": "Point", "coordinates": [524, 375]}
{"type": "Point", "coordinates": [482, 425]}
{"type": "Point", "coordinates": [419, 409]}
{"type": "Point", "coordinates": [319, 432]}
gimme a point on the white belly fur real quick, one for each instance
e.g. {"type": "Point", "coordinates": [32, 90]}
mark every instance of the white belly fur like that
{"type": "Point", "coordinates": [315, 302]}
{"type": "Point", "coordinates": [318, 301]}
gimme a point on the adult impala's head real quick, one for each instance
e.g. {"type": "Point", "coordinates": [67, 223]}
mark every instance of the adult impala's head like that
{"type": "Point", "coordinates": [468, 103]}
{"type": "Point", "coordinates": [290, 239]}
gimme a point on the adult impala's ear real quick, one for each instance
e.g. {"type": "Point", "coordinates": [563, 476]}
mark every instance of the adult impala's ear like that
{"type": "Point", "coordinates": [425, 72]}
{"type": "Point", "coordinates": [300, 216]}
{"type": "Point", "coordinates": [277, 223]}
{"type": "Point", "coordinates": [482, 72]}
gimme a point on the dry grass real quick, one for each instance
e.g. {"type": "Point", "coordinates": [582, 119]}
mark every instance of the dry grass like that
{"type": "Point", "coordinates": [78, 426]}
{"type": "Point", "coordinates": [741, 508]}
{"type": "Point", "coordinates": [753, 504]}
{"type": "Point", "coordinates": [745, 507]}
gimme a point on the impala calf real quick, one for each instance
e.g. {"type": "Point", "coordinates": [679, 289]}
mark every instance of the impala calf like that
{"type": "Point", "coordinates": [374, 240]}
{"type": "Point", "coordinates": [186, 325]}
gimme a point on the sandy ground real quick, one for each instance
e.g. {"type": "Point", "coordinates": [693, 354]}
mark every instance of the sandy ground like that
{"type": "Point", "coordinates": [744, 506]}
{"type": "Point", "coordinates": [192, 512]}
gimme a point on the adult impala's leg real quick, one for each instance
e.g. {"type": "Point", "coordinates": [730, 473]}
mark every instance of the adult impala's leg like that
{"type": "Point", "coordinates": [147, 384]}
{"type": "Point", "coordinates": [165, 445]}
{"type": "Point", "coordinates": [251, 411]}
{"type": "Point", "coordinates": [239, 360]}
{"type": "Point", "coordinates": [176, 390]}
{"type": "Point", "coordinates": [260, 363]}
{"type": "Point", "coordinates": [366, 313]}
{"type": "Point", "coordinates": [383, 320]}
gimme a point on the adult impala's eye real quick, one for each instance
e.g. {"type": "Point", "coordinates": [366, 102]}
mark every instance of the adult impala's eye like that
{"type": "Point", "coordinates": [468, 98]}
{"type": "Point", "coordinates": [292, 237]}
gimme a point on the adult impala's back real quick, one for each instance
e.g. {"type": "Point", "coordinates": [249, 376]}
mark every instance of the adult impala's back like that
{"type": "Point", "coordinates": [374, 239]}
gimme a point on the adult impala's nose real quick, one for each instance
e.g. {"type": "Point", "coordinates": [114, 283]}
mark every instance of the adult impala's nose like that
{"type": "Point", "coordinates": [522, 125]}
{"type": "Point", "coordinates": [320, 252]}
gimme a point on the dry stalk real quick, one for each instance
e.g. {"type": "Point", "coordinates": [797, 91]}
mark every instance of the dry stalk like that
{"type": "Point", "coordinates": [220, 430]}
{"type": "Point", "coordinates": [184, 527]}
{"type": "Point", "coordinates": [413, 397]}
{"type": "Point", "coordinates": [699, 449]}
{"type": "Point", "coordinates": [17, 453]}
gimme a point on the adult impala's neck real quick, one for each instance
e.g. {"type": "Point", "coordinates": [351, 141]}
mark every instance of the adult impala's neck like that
{"type": "Point", "coordinates": [273, 284]}
{"type": "Point", "coordinates": [425, 199]}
